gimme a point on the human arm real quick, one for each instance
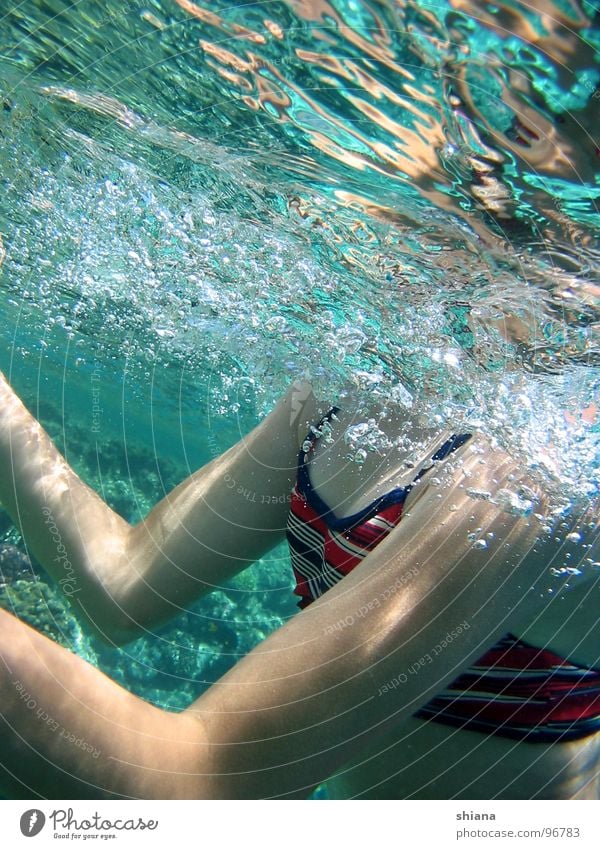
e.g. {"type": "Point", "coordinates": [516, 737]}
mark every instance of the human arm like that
{"type": "Point", "coordinates": [125, 578]}
{"type": "Point", "coordinates": [68, 732]}
{"type": "Point", "coordinates": [305, 702]}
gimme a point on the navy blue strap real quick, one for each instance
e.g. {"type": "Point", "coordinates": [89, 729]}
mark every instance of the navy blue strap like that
{"type": "Point", "coordinates": [395, 496]}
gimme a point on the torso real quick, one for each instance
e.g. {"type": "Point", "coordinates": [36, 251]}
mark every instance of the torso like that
{"type": "Point", "coordinates": [408, 763]}
{"type": "Point", "coordinates": [427, 760]}
{"type": "Point", "coordinates": [347, 486]}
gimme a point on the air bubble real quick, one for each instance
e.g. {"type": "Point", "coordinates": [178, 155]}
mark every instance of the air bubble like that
{"type": "Point", "coordinates": [565, 571]}
{"type": "Point", "coordinates": [513, 503]}
{"type": "Point", "coordinates": [479, 494]}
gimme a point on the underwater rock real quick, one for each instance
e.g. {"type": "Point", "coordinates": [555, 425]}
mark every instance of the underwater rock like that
{"type": "Point", "coordinates": [15, 565]}
{"type": "Point", "coordinates": [29, 594]}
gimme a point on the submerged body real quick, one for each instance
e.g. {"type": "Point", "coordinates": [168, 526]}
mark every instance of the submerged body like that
{"type": "Point", "coordinates": [536, 711]}
{"type": "Point", "coordinates": [315, 699]}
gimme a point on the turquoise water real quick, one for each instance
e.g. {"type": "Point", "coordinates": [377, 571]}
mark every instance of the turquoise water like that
{"type": "Point", "coordinates": [203, 201]}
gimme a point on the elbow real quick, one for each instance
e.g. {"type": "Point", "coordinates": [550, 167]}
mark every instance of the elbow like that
{"type": "Point", "coordinates": [111, 625]}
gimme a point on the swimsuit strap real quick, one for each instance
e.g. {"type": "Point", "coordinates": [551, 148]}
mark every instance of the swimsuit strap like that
{"type": "Point", "coordinates": [395, 496]}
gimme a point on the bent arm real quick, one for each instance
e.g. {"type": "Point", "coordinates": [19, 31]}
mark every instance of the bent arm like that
{"type": "Point", "coordinates": [125, 578]}
{"type": "Point", "coordinates": [68, 731]}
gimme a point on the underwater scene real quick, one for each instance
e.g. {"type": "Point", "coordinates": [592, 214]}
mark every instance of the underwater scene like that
{"type": "Point", "coordinates": [202, 202]}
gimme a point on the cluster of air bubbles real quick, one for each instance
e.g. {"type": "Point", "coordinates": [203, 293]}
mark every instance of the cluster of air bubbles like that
{"type": "Point", "coordinates": [550, 423]}
{"type": "Point", "coordinates": [480, 541]}
{"type": "Point", "coordinates": [135, 267]}
{"type": "Point", "coordinates": [565, 571]}
{"type": "Point", "coordinates": [517, 502]}
{"type": "Point", "coordinates": [131, 267]}
{"type": "Point", "coordinates": [365, 437]}
{"type": "Point", "coordinates": [479, 494]}
{"type": "Point", "coordinates": [400, 396]}
{"type": "Point", "coordinates": [576, 543]}
{"type": "Point", "coordinates": [344, 340]}
{"type": "Point", "coordinates": [322, 431]}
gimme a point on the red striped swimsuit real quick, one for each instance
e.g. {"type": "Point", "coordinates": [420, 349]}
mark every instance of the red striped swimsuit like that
{"type": "Point", "coordinates": [514, 690]}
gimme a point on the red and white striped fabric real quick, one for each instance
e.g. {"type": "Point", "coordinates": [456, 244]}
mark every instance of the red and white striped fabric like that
{"type": "Point", "coordinates": [321, 556]}
{"type": "Point", "coordinates": [519, 691]}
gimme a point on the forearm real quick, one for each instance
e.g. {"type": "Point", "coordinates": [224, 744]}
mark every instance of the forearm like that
{"type": "Point", "coordinates": [69, 529]}
{"type": "Point", "coordinates": [67, 731]}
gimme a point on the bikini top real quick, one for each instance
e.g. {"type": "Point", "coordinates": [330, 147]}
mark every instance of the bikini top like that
{"type": "Point", "coordinates": [325, 547]}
